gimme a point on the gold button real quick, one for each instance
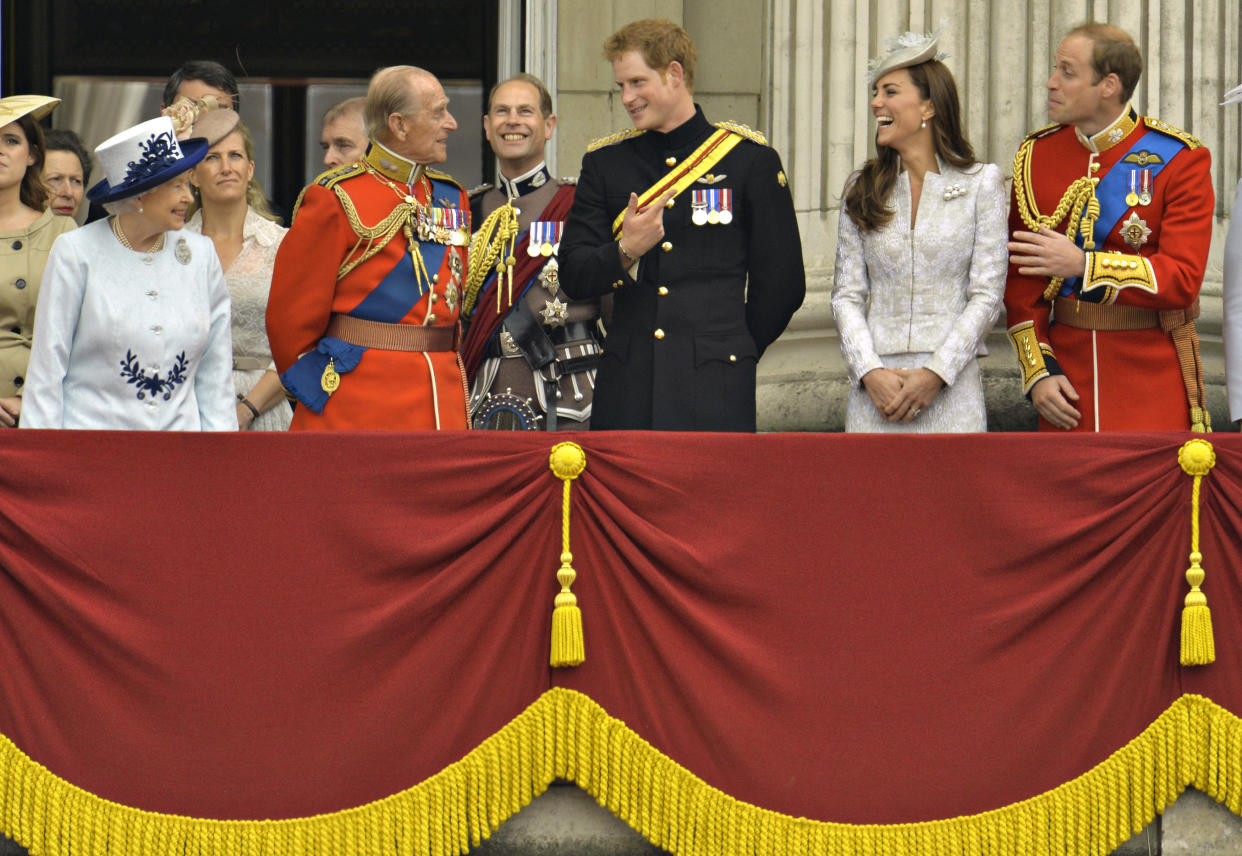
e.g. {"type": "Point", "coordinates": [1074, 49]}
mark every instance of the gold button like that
{"type": "Point", "coordinates": [435, 277]}
{"type": "Point", "coordinates": [670, 203]}
{"type": "Point", "coordinates": [667, 246]}
{"type": "Point", "coordinates": [431, 319]}
{"type": "Point", "coordinates": [663, 290]}
{"type": "Point", "coordinates": [617, 284]}
{"type": "Point", "coordinates": [670, 161]}
{"type": "Point", "coordinates": [733, 358]}
{"type": "Point", "coordinates": [433, 298]}
{"type": "Point", "coordinates": [659, 334]}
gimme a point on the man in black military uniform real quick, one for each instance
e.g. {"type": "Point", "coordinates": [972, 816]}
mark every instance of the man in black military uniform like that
{"type": "Point", "coordinates": [530, 352]}
{"type": "Point", "coordinates": [691, 226]}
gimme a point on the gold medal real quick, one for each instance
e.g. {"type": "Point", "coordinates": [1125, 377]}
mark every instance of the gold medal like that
{"type": "Point", "coordinates": [1131, 199]}
{"type": "Point", "coordinates": [330, 379]}
{"type": "Point", "coordinates": [545, 250]}
{"type": "Point", "coordinates": [713, 217]}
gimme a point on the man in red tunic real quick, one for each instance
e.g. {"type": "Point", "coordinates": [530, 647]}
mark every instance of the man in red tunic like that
{"type": "Point", "coordinates": [362, 316]}
{"type": "Point", "coordinates": [1111, 221]}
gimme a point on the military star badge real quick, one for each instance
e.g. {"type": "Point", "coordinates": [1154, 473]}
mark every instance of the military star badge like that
{"type": "Point", "coordinates": [1135, 231]}
{"type": "Point", "coordinates": [1115, 135]}
{"type": "Point", "coordinates": [555, 313]}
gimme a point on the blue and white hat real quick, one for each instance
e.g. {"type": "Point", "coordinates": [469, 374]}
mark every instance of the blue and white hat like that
{"type": "Point", "coordinates": [143, 157]}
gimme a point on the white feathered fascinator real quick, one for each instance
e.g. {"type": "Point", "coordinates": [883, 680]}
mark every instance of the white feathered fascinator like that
{"type": "Point", "coordinates": [910, 48]}
{"type": "Point", "coordinates": [1233, 96]}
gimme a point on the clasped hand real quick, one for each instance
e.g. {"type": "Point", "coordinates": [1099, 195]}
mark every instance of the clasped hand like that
{"type": "Point", "coordinates": [901, 394]}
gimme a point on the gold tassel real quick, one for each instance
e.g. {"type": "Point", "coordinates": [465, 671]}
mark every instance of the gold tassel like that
{"type": "Point", "coordinates": [1197, 457]}
{"type": "Point", "coordinates": [568, 649]}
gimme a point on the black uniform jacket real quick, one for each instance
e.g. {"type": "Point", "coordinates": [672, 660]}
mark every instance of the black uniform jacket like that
{"type": "Point", "coordinates": [685, 337]}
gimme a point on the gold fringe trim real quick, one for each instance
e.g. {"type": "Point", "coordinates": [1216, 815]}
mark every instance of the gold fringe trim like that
{"type": "Point", "coordinates": [566, 735]}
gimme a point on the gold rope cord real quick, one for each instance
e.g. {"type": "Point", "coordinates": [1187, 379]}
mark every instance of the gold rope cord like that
{"type": "Point", "coordinates": [567, 462]}
{"type": "Point", "coordinates": [566, 735]}
{"type": "Point", "coordinates": [1196, 457]}
{"type": "Point", "coordinates": [488, 243]}
{"type": "Point", "coordinates": [1078, 202]}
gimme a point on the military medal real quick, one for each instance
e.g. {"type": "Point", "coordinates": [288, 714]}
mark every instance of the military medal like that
{"type": "Point", "coordinates": [698, 207]}
{"type": "Point", "coordinates": [713, 207]}
{"type": "Point", "coordinates": [555, 313]}
{"type": "Point", "coordinates": [550, 276]}
{"type": "Point", "coordinates": [1132, 197]}
{"type": "Point", "coordinates": [1145, 195]}
{"type": "Point", "coordinates": [1135, 231]}
{"type": "Point", "coordinates": [330, 380]}
{"type": "Point", "coordinates": [183, 251]}
{"type": "Point", "coordinates": [726, 206]}
{"type": "Point", "coordinates": [535, 243]}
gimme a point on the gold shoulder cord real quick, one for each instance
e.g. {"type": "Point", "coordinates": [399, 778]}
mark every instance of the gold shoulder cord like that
{"type": "Point", "coordinates": [498, 229]}
{"type": "Point", "coordinates": [378, 236]}
{"type": "Point", "coordinates": [1078, 202]}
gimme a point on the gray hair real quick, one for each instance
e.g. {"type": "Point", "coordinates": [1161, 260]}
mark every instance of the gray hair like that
{"type": "Point", "coordinates": [391, 91]}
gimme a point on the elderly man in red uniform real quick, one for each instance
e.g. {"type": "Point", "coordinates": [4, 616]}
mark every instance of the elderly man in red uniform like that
{"type": "Point", "coordinates": [362, 316]}
{"type": "Point", "coordinates": [1111, 222]}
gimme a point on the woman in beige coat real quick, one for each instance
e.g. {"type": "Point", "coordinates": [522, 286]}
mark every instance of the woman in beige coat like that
{"type": "Point", "coordinates": [27, 230]}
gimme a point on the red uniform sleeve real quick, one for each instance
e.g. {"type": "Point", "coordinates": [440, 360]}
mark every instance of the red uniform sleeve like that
{"type": "Point", "coordinates": [304, 277]}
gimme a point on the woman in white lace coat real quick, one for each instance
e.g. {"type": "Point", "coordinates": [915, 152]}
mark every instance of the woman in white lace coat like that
{"type": "Point", "coordinates": [921, 257]}
{"type": "Point", "coordinates": [234, 214]}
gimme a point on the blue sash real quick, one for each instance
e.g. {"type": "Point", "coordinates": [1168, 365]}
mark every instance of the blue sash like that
{"type": "Point", "coordinates": [400, 290]}
{"type": "Point", "coordinates": [1112, 189]}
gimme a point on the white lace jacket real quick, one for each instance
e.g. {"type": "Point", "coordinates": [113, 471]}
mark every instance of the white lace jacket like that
{"type": "Point", "coordinates": [935, 290]}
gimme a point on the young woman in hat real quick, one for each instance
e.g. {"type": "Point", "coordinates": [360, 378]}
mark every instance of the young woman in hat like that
{"type": "Point", "coordinates": [921, 256]}
{"type": "Point", "coordinates": [234, 213]}
{"type": "Point", "coordinates": [132, 328]}
{"type": "Point", "coordinates": [27, 231]}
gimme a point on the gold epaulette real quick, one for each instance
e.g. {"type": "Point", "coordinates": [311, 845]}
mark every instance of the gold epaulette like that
{"type": "Point", "coordinates": [332, 177]}
{"type": "Point", "coordinates": [1155, 124]}
{"type": "Point", "coordinates": [442, 176]}
{"type": "Point", "coordinates": [613, 138]}
{"type": "Point", "coordinates": [482, 188]}
{"type": "Point", "coordinates": [329, 179]}
{"type": "Point", "coordinates": [744, 131]}
{"type": "Point", "coordinates": [1042, 132]}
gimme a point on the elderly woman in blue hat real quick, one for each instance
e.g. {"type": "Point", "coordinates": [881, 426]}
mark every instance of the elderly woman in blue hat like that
{"type": "Point", "coordinates": [132, 326]}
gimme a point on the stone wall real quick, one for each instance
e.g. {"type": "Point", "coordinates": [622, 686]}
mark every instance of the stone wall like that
{"type": "Point", "coordinates": [796, 69]}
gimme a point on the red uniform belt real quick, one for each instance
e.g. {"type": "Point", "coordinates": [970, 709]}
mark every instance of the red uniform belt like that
{"type": "Point", "coordinates": [392, 337]}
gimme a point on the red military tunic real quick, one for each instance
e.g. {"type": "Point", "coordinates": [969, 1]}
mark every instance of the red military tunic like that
{"type": "Point", "coordinates": [325, 268]}
{"type": "Point", "coordinates": [1126, 379]}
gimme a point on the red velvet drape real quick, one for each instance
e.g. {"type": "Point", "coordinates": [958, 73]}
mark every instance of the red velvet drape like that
{"type": "Point", "coordinates": [857, 629]}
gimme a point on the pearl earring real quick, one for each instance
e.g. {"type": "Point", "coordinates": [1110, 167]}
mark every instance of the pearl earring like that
{"type": "Point", "coordinates": [924, 125]}
{"type": "Point", "coordinates": [139, 209]}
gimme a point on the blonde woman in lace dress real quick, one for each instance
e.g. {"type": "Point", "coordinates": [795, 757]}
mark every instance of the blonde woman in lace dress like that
{"type": "Point", "coordinates": [234, 214]}
{"type": "Point", "coordinates": [921, 256]}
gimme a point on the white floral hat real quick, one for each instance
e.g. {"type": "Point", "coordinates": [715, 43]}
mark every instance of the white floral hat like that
{"type": "Point", "coordinates": [143, 157]}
